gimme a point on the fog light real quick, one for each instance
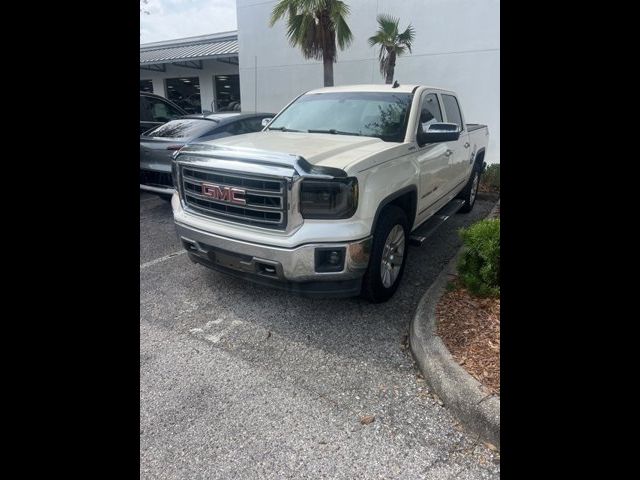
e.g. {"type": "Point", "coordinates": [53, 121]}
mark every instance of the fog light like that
{"type": "Point", "coordinates": [329, 259]}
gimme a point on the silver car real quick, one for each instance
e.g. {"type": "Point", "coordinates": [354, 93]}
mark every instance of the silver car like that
{"type": "Point", "coordinates": [158, 145]}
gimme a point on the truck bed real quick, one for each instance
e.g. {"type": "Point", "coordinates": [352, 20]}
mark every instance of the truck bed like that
{"type": "Point", "coordinates": [475, 126]}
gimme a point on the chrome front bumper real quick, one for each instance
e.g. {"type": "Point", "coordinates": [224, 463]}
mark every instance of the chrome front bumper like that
{"type": "Point", "coordinates": [160, 190]}
{"type": "Point", "coordinates": [272, 263]}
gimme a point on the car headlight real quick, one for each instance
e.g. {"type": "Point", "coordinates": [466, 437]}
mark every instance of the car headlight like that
{"type": "Point", "coordinates": [329, 199]}
{"type": "Point", "coordinates": [174, 174]}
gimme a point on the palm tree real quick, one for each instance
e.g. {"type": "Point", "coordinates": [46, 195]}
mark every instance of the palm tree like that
{"type": "Point", "coordinates": [392, 44]}
{"type": "Point", "coordinates": [314, 25]}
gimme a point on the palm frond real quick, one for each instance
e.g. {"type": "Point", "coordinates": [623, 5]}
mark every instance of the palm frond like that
{"type": "Point", "coordinates": [407, 37]}
{"type": "Point", "coordinates": [279, 11]}
{"type": "Point", "coordinates": [339, 10]}
{"type": "Point", "coordinates": [377, 39]}
{"type": "Point", "coordinates": [343, 33]}
{"type": "Point", "coordinates": [388, 25]}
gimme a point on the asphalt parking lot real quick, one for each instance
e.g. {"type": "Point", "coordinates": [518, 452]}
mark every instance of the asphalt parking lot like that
{"type": "Point", "coordinates": [242, 381]}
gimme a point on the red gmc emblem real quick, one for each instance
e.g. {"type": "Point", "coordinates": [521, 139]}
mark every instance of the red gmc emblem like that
{"type": "Point", "coordinates": [224, 194]}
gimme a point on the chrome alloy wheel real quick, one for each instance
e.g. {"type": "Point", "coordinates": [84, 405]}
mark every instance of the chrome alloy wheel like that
{"type": "Point", "coordinates": [392, 256]}
{"type": "Point", "coordinates": [474, 188]}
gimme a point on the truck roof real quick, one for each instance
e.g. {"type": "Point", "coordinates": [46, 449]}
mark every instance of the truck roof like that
{"type": "Point", "coordinates": [408, 88]}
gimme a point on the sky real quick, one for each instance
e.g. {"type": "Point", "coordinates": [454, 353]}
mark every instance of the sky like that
{"type": "Point", "coordinates": [169, 19]}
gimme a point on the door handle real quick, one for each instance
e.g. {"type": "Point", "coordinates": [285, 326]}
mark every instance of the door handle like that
{"type": "Point", "coordinates": [448, 153]}
{"type": "Point", "coordinates": [467, 145]}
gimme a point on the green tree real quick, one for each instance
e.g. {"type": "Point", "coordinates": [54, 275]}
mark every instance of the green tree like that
{"type": "Point", "coordinates": [315, 26]}
{"type": "Point", "coordinates": [392, 43]}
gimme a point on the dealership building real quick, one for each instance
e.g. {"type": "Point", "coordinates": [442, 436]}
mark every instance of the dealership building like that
{"type": "Point", "coordinates": [456, 47]}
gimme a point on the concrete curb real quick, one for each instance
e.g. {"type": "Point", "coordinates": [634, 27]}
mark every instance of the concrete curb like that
{"type": "Point", "coordinates": [477, 410]}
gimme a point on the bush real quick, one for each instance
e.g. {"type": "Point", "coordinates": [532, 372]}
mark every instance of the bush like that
{"type": "Point", "coordinates": [479, 267]}
{"type": "Point", "coordinates": [490, 178]}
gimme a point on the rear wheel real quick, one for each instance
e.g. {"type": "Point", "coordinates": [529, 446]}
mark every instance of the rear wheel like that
{"type": "Point", "coordinates": [388, 255]}
{"type": "Point", "coordinates": [470, 191]}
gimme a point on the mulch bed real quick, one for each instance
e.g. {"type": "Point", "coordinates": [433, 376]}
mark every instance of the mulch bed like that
{"type": "Point", "coordinates": [470, 328]}
{"type": "Point", "coordinates": [484, 188]}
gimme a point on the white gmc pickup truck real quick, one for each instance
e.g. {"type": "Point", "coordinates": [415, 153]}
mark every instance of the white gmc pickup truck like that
{"type": "Point", "coordinates": [324, 199]}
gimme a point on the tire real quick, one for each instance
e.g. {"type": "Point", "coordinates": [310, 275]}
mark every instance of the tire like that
{"type": "Point", "coordinates": [470, 191]}
{"type": "Point", "coordinates": [394, 221]}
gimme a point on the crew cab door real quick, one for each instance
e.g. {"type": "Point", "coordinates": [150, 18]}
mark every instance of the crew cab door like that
{"type": "Point", "coordinates": [459, 151]}
{"type": "Point", "coordinates": [432, 158]}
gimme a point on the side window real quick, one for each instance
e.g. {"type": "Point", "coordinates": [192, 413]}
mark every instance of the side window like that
{"type": "Point", "coordinates": [162, 111]}
{"type": "Point", "coordinates": [234, 128]}
{"type": "Point", "coordinates": [452, 109]}
{"type": "Point", "coordinates": [245, 126]}
{"type": "Point", "coordinates": [430, 111]}
{"type": "Point", "coordinates": [254, 124]}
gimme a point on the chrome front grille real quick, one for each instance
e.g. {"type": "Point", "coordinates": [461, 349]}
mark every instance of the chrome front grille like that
{"type": "Point", "coordinates": [266, 197]}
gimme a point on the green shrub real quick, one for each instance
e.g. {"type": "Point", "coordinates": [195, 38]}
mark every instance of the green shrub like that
{"type": "Point", "coordinates": [490, 178]}
{"type": "Point", "coordinates": [479, 267]}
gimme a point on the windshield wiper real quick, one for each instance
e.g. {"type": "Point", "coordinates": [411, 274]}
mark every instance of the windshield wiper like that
{"type": "Point", "coordinates": [284, 129]}
{"type": "Point", "coordinates": [334, 132]}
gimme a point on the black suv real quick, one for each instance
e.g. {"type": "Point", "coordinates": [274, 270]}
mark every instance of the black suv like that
{"type": "Point", "coordinates": [156, 110]}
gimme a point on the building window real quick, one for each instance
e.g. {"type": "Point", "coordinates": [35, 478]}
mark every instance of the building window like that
{"type": "Point", "coordinates": [227, 92]}
{"type": "Point", "coordinates": [146, 86]}
{"type": "Point", "coordinates": [185, 92]}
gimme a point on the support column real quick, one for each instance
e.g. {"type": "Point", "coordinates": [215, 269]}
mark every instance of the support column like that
{"type": "Point", "coordinates": [158, 87]}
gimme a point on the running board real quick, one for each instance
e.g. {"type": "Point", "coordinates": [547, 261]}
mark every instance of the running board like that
{"type": "Point", "coordinates": [431, 225]}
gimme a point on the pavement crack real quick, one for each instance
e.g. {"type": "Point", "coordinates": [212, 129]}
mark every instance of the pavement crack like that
{"type": "Point", "coordinates": [161, 259]}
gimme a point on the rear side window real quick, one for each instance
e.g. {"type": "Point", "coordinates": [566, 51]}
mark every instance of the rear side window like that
{"type": "Point", "coordinates": [183, 128]}
{"type": "Point", "coordinates": [247, 125]}
{"type": "Point", "coordinates": [254, 124]}
{"type": "Point", "coordinates": [234, 128]}
{"type": "Point", "coordinates": [452, 109]}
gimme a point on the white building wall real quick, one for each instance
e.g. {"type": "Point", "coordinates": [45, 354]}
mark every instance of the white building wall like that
{"type": "Point", "coordinates": [457, 47]}
{"type": "Point", "coordinates": [210, 68]}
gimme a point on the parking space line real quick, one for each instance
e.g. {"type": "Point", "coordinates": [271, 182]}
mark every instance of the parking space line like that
{"type": "Point", "coordinates": [161, 259]}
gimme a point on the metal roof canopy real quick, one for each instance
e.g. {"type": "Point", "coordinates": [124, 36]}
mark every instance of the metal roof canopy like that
{"type": "Point", "coordinates": [188, 52]}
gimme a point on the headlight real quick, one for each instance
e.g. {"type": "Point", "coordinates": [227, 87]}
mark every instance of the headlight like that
{"type": "Point", "coordinates": [333, 199]}
{"type": "Point", "coordinates": [174, 174]}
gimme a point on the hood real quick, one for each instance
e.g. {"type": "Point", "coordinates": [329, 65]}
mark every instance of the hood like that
{"type": "Point", "coordinates": [321, 149]}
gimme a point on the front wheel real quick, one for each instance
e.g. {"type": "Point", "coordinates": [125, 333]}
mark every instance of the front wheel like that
{"type": "Point", "coordinates": [388, 256]}
{"type": "Point", "coordinates": [470, 191]}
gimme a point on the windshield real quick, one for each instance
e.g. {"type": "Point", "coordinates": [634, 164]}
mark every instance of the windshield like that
{"type": "Point", "coordinates": [370, 114]}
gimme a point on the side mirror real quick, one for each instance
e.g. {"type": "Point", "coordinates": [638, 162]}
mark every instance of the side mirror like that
{"type": "Point", "coordinates": [266, 121]}
{"type": "Point", "coordinates": [438, 132]}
